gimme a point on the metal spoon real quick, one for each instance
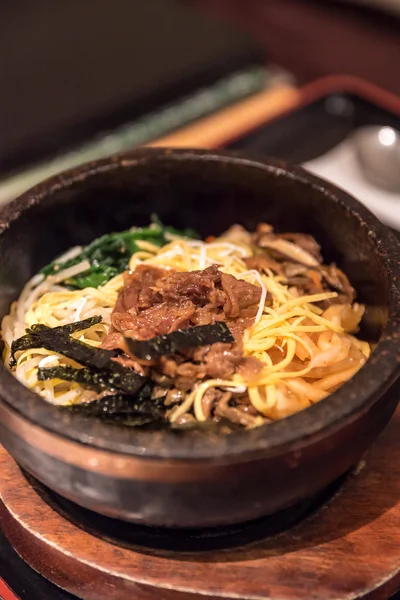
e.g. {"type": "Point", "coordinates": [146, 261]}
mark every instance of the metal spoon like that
{"type": "Point", "coordinates": [378, 152]}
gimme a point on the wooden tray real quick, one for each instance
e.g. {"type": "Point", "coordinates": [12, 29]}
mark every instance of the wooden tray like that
{"type": "Point", "coordinates": [295, 125]}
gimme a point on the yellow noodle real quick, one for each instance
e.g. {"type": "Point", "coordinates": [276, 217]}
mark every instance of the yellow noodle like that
{"type": "Point", "coordinates": [305, 389]}
{"type": "Point", "coordinates": [305, 300]}
{"type": "Point", "coordinates": [292, 324]}
{"type": "Point", "coordinates": [336, 378]}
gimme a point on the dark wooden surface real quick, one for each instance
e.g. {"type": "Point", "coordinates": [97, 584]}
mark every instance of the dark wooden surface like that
{"type": "Point", "coordinates": [313, 38]}
{"type": "Point", "coordinates": [349, 549]}
{"type": "Point", "coordinates": [19, 582]}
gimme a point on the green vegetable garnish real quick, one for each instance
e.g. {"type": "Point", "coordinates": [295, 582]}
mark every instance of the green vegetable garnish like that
{"type": "Point", "coordinates": [109, 254]}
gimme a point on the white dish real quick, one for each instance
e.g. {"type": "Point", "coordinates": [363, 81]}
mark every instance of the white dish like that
{"type": "Point", "coordinates": [341, 167]}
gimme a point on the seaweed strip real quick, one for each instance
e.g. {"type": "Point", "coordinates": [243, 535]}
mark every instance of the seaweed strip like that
{"type": "Point", "coordinates": [133, 411]}
{"type": "Point", "coordinates": [122, 379]}
{"type": "Point", "coordinates": [78, 325]}
{"type": "Point", "coordinates": [65, 345]}
{"type": "Point", "coordinates": [200, 335]}
{"type": "Point", "coordinates": [58, 339]}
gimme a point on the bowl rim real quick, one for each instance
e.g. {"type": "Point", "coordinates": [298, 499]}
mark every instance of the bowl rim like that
{"type": "Point", "coordinates": [291, 433]}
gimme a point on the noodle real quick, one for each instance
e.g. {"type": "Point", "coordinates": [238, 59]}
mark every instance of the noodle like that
{"type": "Point", "coordinates": [306, 351]}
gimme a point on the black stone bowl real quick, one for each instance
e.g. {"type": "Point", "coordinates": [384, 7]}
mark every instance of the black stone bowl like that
{"type": "Point", "coordinates": [199, 479]}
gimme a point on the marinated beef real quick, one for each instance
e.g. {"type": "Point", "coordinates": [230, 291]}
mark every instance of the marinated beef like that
{"type": "Point", "coordinates": [239, 295]}
{"type": "Point", "coordinates": [235, 414]}
{"type": "Point", "coordinates": [263, 263]}
{"type": "Point", "coordinates": [137, 292]}
{"type": "Point", "coordinates": [196, 286]}
{"type": "Point", "coordinates": [249, 368]}
{"type": "Point", "coordinates": [219, 361]}
{"type": "Point", "coordinates": [155, 302]}
{"type": "Point", "coordinates": [222, 360]}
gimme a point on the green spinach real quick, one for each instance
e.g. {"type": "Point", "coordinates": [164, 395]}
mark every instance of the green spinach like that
{"type": "Point", "coordinates": [109, 254]}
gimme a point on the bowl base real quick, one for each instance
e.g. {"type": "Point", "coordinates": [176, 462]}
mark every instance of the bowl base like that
{"type": "Point", "coordinates": [133, 536]}
{"type": "Point", "coordinates": [348, 548]}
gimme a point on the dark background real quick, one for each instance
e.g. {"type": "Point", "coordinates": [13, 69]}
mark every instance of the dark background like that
{"type": "Point", "coordinates": [69, 68]}
{"type": "Point", "coordinates": [312, 38]}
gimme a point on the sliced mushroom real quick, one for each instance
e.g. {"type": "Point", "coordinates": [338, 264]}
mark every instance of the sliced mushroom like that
{"type": "Point", "coordinates": [291, 270]}
{"type": "Point", "coordinates": [288, 250]}
{"type": "Point", "coordinates": [264, 228]}
{"type": "Point", "coordinates": [339, 282]}
{"type": "Point", "coordinates": [237, 234]}
{"type": "Point", "coordinates": [306, 242]}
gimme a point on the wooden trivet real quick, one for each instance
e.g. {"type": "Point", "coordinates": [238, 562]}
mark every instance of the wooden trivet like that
{"type": "Point", "coordinates": [348, 549]}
